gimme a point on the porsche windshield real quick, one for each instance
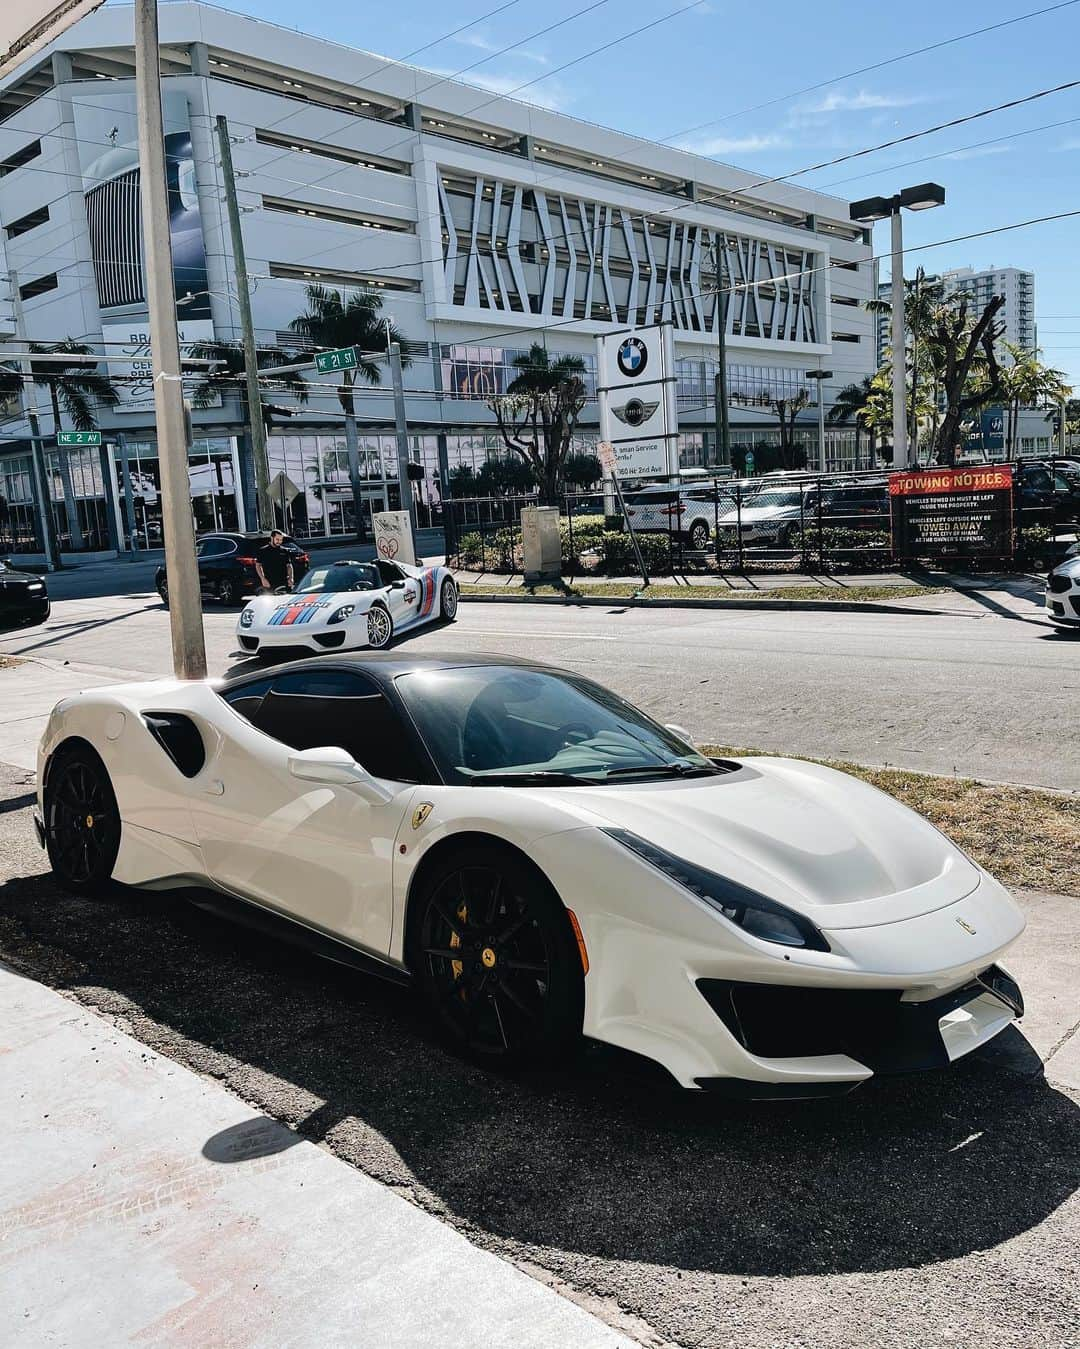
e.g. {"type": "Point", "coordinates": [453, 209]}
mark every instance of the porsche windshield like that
{"type": "Point", "coordinates": [339, 576]}
{"type": "Point", "coordinates": [492, 725]}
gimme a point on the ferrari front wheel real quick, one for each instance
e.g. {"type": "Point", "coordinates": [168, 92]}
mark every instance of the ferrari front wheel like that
{"type": "Point", "coordinates": [449, 600]}
{"type": "Point", "coordinates": [496, 959]}
{"type": "Point", "coordinates": [380, 627]}
{"type": "Point", "coordinates": [82, 821]}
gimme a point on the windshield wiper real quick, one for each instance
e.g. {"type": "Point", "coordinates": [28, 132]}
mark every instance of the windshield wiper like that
{"type": "Point", "coordinates": [667, 770]}
{"type": "Point", "coordinates": [541, 777]}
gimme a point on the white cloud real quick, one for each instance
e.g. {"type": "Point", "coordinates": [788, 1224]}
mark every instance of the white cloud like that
{"type": "Point", "coordinates": [550, 94]}
{"type": "Point", "coordinates": [979, 152]}
{"type": "Point", "coordinates": [863, 101]}
{"type": "Point", "coordinates": [482, 44]}
{"type": "Point", "coordinates": [733, 145]}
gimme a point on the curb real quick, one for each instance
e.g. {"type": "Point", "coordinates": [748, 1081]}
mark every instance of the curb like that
{"type": "Point", "coordinates": [637, 602]}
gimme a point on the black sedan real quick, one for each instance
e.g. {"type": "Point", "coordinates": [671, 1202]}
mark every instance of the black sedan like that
{"type": "Point", "coordinates": [227, 566]}
{"type": "Point", "coordinates": [24, 598]}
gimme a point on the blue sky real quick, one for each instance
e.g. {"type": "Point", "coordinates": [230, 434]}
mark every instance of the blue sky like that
{"type": "Point", "coordinates": [715, 62]}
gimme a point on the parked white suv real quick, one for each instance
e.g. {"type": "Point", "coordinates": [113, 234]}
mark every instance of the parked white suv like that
{"type": "Point", "coordinates": [659, 508]}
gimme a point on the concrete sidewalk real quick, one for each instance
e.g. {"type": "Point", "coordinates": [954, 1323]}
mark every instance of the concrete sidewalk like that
{"type": "Point", "coordinates": [141, 1203]}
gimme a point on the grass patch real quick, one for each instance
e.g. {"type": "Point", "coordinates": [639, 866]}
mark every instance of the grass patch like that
{"type": "Point", "coordinates": [1025, 837]}
{"type": "Point", "coordinates": [624, 590]}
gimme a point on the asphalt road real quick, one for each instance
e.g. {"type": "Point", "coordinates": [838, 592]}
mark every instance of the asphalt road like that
{"type": "Point", "coordinates": [982, 686]}
{"type": "Point", "coordinates": [930, 1210]}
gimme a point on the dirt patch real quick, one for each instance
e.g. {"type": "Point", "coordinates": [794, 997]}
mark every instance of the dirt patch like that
{"type": "Point", "coordinates": [627, 590]}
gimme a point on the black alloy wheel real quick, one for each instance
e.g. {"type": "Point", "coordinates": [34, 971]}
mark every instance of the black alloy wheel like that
{"type": "Point", "coordinates": [496, 960]}
{"type": "Point", "coordinates": [82, 821]}
{"type": "Point", "coordinates": [228, 591]}
{"type": "Point", "coordinates": [163, 591]}
{"type": "Point", "coordinates": [448, 601]}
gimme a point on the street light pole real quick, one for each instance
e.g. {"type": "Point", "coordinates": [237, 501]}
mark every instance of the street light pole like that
{"type": "Point", "coordinates": [720, 390]}
{"type": "Point", "coordinates": [899, 347]}
{"type": "Point", "coordinates": [185, 604]}
{"type": "Point", "coordinates": [920, 198]}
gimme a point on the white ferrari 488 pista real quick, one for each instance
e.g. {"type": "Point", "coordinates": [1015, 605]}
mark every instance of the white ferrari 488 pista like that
{"type": "Point", "coordinates": [543, 861]}
{"type": "Point", "coordinates": [344, 605]}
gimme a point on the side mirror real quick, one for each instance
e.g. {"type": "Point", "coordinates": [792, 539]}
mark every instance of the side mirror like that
{"type": "Point", "coordinates": [681, 732]}
{"type": "Point", "coordinates": [397, 585]}
{"type": "Point", "coordinates": [335, 767]}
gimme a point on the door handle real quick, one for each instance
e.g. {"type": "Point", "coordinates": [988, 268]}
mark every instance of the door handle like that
{"type": "Point", "coordinates": [215, 787]}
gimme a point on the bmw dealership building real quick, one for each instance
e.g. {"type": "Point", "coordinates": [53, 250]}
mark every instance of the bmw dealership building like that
{"type": "Point", "coordinates": [484, 223]}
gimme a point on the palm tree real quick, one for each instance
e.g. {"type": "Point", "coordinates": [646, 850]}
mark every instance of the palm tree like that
{"type": "Point", "coordinates": [538, 414]}
{"type": "Point", "coordinates": [80, 389]}
{"type": "Point", "coordinates": [335, 320]}
{"type": "Point", "coordinates": [850, 406]}
{"type": "Point", "coordinates": [1029, 383]}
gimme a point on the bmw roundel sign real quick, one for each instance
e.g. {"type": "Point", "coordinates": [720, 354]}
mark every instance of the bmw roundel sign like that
{"type": "Point", "coordinates": [632, 357]}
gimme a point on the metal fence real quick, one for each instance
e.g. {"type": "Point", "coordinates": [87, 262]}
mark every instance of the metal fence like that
{"type": "Point", "coordinates": [784, 522]}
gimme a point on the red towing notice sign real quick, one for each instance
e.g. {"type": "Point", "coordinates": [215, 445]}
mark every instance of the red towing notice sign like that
{"type": "Point", "coordinates": [964, 512]}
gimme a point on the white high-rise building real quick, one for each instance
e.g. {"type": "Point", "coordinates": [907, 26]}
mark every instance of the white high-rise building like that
{"type": "Point", "coordinates": [1018, 288]}
{"type": "Point", "coordinates": [978, 288]}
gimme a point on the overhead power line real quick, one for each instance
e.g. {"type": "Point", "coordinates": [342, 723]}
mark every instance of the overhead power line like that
{"type": "Point", "coordinates": [865, 70]}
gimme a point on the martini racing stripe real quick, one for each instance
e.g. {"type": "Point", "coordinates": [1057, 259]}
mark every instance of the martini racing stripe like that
{"type": "Point", "coordinates": [427, 592]}
{"type": "Point", "coordinates": [298, 611]}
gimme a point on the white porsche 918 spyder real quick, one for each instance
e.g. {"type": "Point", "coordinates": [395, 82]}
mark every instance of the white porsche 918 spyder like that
{"type": "Point", "coordinates": [543, 861]}
{"type": "Point", "coordinates": [344, 605]}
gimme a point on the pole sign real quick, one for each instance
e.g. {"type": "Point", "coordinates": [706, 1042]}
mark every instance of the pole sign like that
{"type": "Point", "coordinates": [78, 438]}
{"type": "Point", "coordinates": [636, 392]}
{"type": "Point", "coordinates": [965, 512]}
{"type": "Point", "coordinates": [344, 358]}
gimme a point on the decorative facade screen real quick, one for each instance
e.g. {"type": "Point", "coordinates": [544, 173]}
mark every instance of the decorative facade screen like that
{"type": "Point", "coordinates": [518, 250]}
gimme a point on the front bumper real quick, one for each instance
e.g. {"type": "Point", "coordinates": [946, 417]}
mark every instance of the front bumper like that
{"type": "Point", "coordinates": [879, 1029]}
{"type": "Point", "coordinates": [287, 639]}
{"type": "Point", "coordinates": [1063, 599]}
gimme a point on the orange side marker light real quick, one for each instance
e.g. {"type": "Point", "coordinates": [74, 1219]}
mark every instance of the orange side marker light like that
{"type": "Point", "coordinates": [580, 940]}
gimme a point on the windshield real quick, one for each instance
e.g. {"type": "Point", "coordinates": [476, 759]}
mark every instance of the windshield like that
{"type": "Point", "coordinates": [488, 725]}
{"type": "Point", "coordinates": [340, 576]}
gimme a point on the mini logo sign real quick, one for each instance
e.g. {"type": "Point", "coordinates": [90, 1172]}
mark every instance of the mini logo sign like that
{"type": "Point", "coordinates": [633, 357]}
{"type": "Point", "coordinates": [420, 814]}
{"type": "Point", "coordinates": [634, 412]}
{"type": "Point", "coordinates": [966, 926]}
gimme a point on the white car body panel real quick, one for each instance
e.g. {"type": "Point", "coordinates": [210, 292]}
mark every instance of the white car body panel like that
{"type": "Point", "coordinates": [1063, 604]}
{"type": "Point", "coordinates": [900, 906]}
{"type": "Point", "coordinates": [302, 619]}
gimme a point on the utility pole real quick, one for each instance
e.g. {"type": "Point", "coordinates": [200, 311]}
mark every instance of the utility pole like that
{"type": "Point", "coordinates": [899, 347]}
{"type": "Point", "coordinates": [185, 603]}
{"type": "Point", "coordinates": [49, 541]}
{"type": "Point", "coordinates": [264, 506]}
{"type": "Point", "coordinates": [402, 428]}
{"type": "Point", "coordinates": [720, 390]}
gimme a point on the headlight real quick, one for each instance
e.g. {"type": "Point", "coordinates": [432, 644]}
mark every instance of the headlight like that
{"type": "Point", "coordinates": [757, 914]}
{"type": "Point", "coordinates": [247, 618]}
{"type": "Point", "coordinates": [340, 615]}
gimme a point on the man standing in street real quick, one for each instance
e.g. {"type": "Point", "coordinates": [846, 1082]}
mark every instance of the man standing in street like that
{"type": "Point", "coordinates": [273, 563]}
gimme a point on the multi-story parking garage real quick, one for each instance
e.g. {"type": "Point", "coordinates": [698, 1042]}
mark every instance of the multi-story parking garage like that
{"type": "Point", "coordinates": [484, 223]}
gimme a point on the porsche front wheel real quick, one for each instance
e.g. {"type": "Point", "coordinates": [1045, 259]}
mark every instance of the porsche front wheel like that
{"type": "Point", "coordinates": [496, 959]}
{"type": "Point", "coordinates": [82, 821]}
{"type": "Point", "coordinates": [380, 627]}
{"type": "Point", "coordinates": [449, 600]}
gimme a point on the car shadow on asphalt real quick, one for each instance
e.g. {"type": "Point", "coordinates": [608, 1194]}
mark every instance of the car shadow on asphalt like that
{"type": "Point", "coordinates": [584, 1161]}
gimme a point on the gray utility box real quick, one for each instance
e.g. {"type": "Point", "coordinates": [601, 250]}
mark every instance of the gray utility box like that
{"type": "Point", "coordinates": [540, 543]}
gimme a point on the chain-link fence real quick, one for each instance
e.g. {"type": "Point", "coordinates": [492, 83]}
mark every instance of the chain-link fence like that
{"type": "Point", "coordinates": [782, 522]}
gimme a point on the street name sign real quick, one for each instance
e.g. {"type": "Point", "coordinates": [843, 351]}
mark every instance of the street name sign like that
{"type": "Point", "coordinates": [344, 358]}
{"type": "Point", "coordinates": [965, 512]}
{"type": "Point", "coordinates": [78, 438]}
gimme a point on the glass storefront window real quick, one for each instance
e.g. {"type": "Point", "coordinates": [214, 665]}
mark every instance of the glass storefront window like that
{"type": "Point", "coordinates": [18, 524]}
{"type": "Point", "coordinates": [214, 490]}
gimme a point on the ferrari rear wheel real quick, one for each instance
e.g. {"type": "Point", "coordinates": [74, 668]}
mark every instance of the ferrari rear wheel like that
{"type": "Point", "coordinates": [380, 627]}
{"type": "Point", "coordinates": [449, 600]}
{"type": "Point", "coordinates": [496, 959]}
{"type": "Point", "coordinates": [82, 821]}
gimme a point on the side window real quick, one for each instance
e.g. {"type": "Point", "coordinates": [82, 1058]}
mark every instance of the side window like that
{"type": "Point", "coordinates": [212, 548]}
{"type": "Point", "coordinates": [336, 707]}
{"type": "Point", "coordinates": [247, 699]}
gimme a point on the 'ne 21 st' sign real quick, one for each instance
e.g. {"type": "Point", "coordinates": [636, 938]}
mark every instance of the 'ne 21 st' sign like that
{"type": "Point", "coordinates": [956, 512]}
